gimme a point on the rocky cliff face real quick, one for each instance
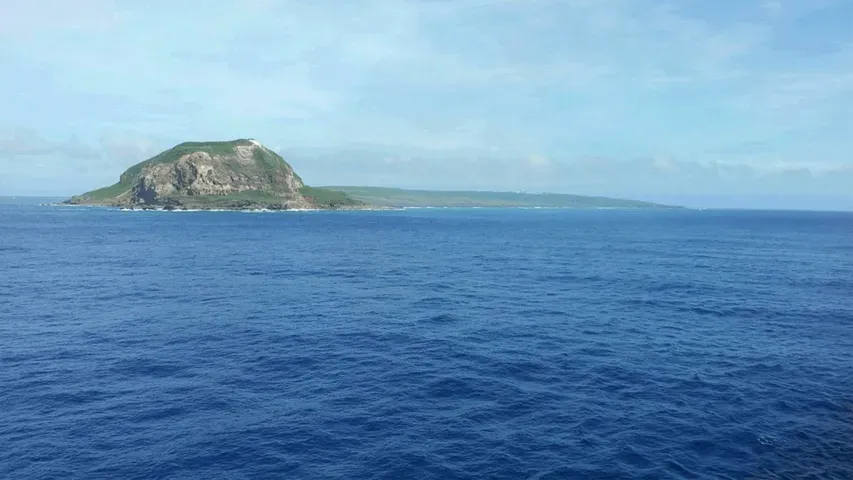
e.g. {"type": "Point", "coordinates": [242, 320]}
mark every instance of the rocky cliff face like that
{"type": "Point", "coordinates": [200, 173]}
{"type": "Point", "coordinates": [235, 174]}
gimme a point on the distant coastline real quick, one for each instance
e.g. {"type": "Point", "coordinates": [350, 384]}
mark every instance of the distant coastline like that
{"type": "Point", "coordinates": [401, 198]}
{"type": "Point", "coordinates": [364, 208]}
{"type": "Point", "coordinates": [378, 198]}
{"type": "Point", "coordinates": [243, 174]}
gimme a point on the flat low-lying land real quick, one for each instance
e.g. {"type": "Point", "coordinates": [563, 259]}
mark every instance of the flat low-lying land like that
{"type": "Point", "coordinates": [394, 197]}
{"type": "Point", "coordinates": [243, 174]}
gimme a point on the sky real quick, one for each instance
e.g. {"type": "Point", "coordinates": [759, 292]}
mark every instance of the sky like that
{"type": "Point", "coordinates": [723, 103]}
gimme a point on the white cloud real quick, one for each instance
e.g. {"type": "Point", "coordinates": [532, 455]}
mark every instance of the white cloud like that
{"type": "Point", "coordinates": [664, 163]}
{"type": "Point", "coordinates": [31, 18]}
{"type": "Point", "coordinates": [18, 142]}
{"type": "Point", "coordinates": [772, 6]}
{"type": "Point", "coordinates": [490, 77]}
{"type": "Point", "coordinates": [127, 148]}
{"type": "Point", "coordinates": [538, 161]}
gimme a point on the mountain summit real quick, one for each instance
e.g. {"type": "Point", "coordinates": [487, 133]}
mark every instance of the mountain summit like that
{"type": "Point", "coordinates": [234, 174]}
{"type": "Point", "coordinates": [244, 174]}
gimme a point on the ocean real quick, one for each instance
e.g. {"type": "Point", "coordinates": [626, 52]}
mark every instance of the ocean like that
{"type": "Point", "coordinates": [425, 344]}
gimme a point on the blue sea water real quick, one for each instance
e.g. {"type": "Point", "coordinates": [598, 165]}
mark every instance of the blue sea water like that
{"type": "Point", "coordinates": [429, 344]}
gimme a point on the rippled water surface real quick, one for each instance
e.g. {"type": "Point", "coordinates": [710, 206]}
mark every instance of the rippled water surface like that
{"type": "Point", "coordinates": [430, 344]}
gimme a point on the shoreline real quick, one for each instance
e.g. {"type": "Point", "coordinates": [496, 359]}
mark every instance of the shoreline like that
{"type": "Point", "coordinates": [349, 209]}
{"type": "Point", "coordinates": [212, 209]}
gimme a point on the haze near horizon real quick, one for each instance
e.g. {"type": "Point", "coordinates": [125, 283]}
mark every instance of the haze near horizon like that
{"type": "Point", "coordinates": [730, 104]}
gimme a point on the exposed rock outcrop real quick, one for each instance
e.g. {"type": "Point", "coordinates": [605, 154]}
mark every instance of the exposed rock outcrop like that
{"type": "Point", "coordinates": [235, 174]}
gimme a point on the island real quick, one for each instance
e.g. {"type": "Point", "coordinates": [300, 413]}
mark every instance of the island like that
{"type": "Point", "coordinates": [400, 198]}
{"type": "Point", "coordinates": [234, 175]}
{"type": "Point", "coordinates": [243, 174]}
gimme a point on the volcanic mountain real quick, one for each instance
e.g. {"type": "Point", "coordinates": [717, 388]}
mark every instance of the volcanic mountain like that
{"type": "Point", "coordinates": [233, 174]}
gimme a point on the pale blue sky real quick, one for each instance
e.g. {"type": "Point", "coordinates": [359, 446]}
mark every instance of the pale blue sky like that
{"type": "Point", "coordinates": [639, 98]}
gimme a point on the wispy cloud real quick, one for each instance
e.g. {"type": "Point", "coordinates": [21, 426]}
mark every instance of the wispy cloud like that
{"type": "Point", "coordinates": [30, 19]}
{"type": "Point", "coordinates": [23, 142]}
{"type": "Point", "coordinates": [728, 92]}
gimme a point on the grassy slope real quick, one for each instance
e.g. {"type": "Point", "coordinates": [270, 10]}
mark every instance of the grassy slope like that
{"type": "Point", "coordinates": [323, 197]}
{"type": "Point", "coordinates": [392, 197]}
{"type": "Point", "coordinates": [331, 197]}
{"type": "Point", "coordinates": [266, 160]}
{"type": "Point", "coordinates": [107, 193]}
{"type": "Point", "coordinates": [127, 179]}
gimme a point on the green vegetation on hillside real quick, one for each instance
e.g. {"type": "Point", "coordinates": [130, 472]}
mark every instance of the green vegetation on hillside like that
{"type": "Point", "coordinates": [107, 193]}
{"type": "Point", "coordinates": [328, 198]}
{"type": "Point", "coordinates": [393, 197]}
{"type": "Point", "coordinates": [234, 200]}
{"type": "Point", "coordinates": [269, 159]}
{"type": "Point", "coordinates": [267, 164]}
{"type": "Point", "coordinates": [265, 180]}
{"type": "Point", "coordinates": [129, 177]}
